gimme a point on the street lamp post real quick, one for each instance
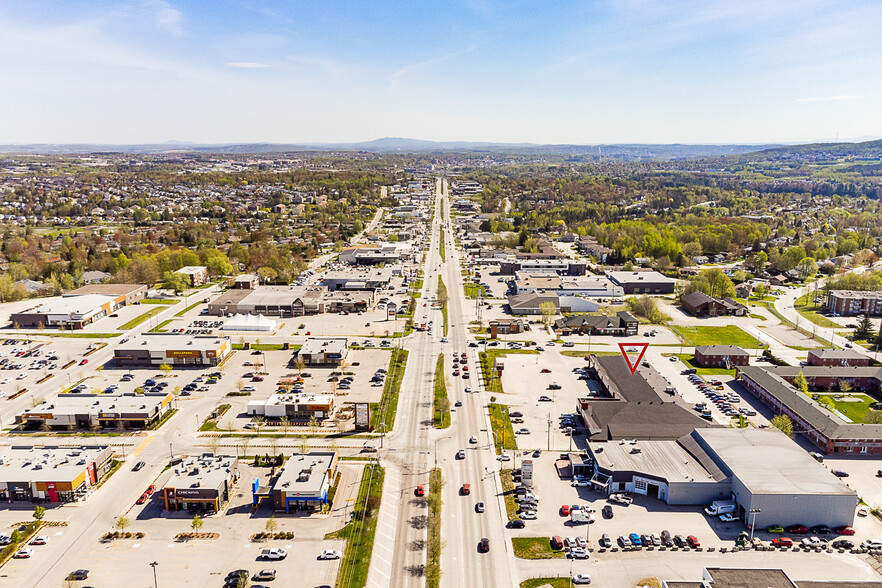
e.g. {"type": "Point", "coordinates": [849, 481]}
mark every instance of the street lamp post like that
{"type": "Point", "coordinates": [153, 565]}
{"type": "Point", "coordinates": [753, 513]}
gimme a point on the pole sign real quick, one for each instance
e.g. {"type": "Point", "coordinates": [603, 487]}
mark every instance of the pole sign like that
{"type": "Point", "coordinates": [362, 416]}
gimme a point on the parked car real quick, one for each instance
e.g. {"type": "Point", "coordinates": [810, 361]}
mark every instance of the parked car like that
{"type": "Point", "coordinates": [797, 529]}
{"type": "Point", "coordinates": [516, 524]}
{"type": "Point", "coordinates": [78, 575]}
{"type": "Point", "coordinates": [605, 541]}
{"type": "Point", "coordinates": [264, 575]}
{"type": "Point", "coordinates": [581, 579]}
{"type": "Point", "coordinates": [775, 529]}
{"type": "Point", "coordinates": [844, 530]}
{"type": "Point", "coordinates": [608, 511]}
{"type": "Point", "coordinates": [693, 542]}
{"type": "Point", "coordinates": [842, 544]}
{"type": "Point", "coordinates": [479, 507]}
{"type": "Point", "coordinates": [782, 542]}
{"type": "Point", "coordinates": [330, 554]}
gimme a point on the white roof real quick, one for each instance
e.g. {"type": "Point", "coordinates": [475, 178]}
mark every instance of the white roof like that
{"type": "Point", "coordinates": [249, 322]}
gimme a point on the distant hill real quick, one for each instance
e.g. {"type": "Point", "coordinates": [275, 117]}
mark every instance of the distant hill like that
{"type": "Point", "coordinates": [817, 151]}
{"type": "Point", "coordinates": [626, 152]}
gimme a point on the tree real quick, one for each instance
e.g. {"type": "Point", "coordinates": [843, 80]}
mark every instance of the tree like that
{"type": "Point", "coordinates": [267, 274]}
{"type": "Point", "coordinates": [122, 523]}
{"type": "Point", "coordinates": [548, 310]}
{"type": "Point", "coordinates": [692, 249]}
{"type": "Point", "coordinates": [39, 513]}
{"type": "Point", "coordinates": [864, 329]}
{"type": "Point", "coordinates": [299, 364]}
{"type": "Point", "coordinates": [827, 401]}
{"type": "Point", "coordinates": [175, 281]}
{"type": "Point", "coordinates": [845, 386]}
{"type": "Point", "coordinates": [801, 383]}
{"type": "Point", "coordinates": [286, 424]}
{"type": "Point", "coordinates": [759, 291]}
{"type": "Point", "coordinates": [196, 523]}
{"type": "Point", "coordinates": [272, 525]}
{"type": "Point", "coordinates": [783, 423]}
{"type": "Point", "coordinates": [759, 262]}
{"type": "Point", "coordinates": [806, 267]}
{"type": "Point", "coordinates": [258, 422]}
{"type": "Point", "coordinates": [166, 369]}
{"type": "Point", "coordinates": [304, 444]}
{"type": "Point", "coordinates": [712, 282]}
{"type": "Point", "coordinates": [313, 424]}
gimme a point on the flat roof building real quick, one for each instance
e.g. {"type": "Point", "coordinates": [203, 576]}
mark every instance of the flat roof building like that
{"type": "Point", "coordinates": [155, 349]}
{"type": "Point", "coordinates": [105, 411]}
{"type": "Point", "coordinates": [197, 274]}
{"type": "Point", "coordinates": [299, 408]}
{"type": "Point", "coordinates": [123, 294]}
{"type": "Point", "coordinates": [642, 282]}
{"type": "Point", "coordinates": [201, 483]}
{"type": "Point", "coordinates": [324, 350]}
{"type": "Point", "coordinates": [721, 356]}
{"type": "Point", "coordinates": [304, 481]}
{"type": "Point", "coordinates": [51, 473]}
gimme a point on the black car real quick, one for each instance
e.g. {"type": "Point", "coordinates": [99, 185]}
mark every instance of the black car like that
{"type": "Point", "coordinates": [78, 575]}
{"type": "Point", "coordinates": [667, 541]}
{"type": "Point", "coordinates": [607, 511]}
{"type": "Point", "coordinates": [840, 474]}
{"type": "Point", "coordinates": [138, 466]}
{"type": "Point", "coordinates": [679, 541]}
{"type": "Point", "coordinates": [484, 546]}
{"type": "Point", "coordinates": [235, 574]}
{"type": "Point", "coordinates": [842, 544]}
{"type": "Point", "coordinates": [821, 530]}
{"type": "Point", "coordinates": [516, 524]}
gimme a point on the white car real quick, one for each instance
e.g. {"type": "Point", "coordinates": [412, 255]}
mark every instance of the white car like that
{"type": "Point", "coordinates": [21, 376]}
{"type": "Point", "coordinates": [581, 579]}
{"type": "Point", "coordinates": [578, 553]}
{"type": "Point", "coordinates": [728, 517]}
{"type": "Point", "coordinates": [248, 389]}
{"type": "Point", "coordinates": [523, 431]}
{"type": "Point", "coordinates": [872, 544]}
{"type": "Point", "coordinates": [529, 515]}
{"type": "Point", "coordinates": [473, 439]}
{"type": "Point", "coordinates": [330, 554]}
{"type": "Point", "coordinates": [23, 553]}
{"type": "Point", "coordinates": [468, 389]}
{"type": "Point", "coordinates": [863, 511]}
{"type": "Point", "coordinates": [40, 540]}
{"type": "Point", "coordinates": [581, 483]}
{"type": "Point", "coordinates": [503, 457]}
{"type": "Point", "coordinates": [444, 339]}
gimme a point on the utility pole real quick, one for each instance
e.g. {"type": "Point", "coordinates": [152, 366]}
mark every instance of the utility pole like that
{"type": "Point", "coordinates": [153, 565]}
{"type": "Point", "coordinates": [753, 513]}
{"type": "Point", "coordinates": [548, 447]}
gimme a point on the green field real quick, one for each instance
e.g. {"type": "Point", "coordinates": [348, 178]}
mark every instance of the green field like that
{"type": "Point", "coordinates": [474, 290]}
{"type": "Point", "coordinates": [689, 361]}
{"type": "Point", "coordinates": [728, 335]}
{"type": "Point", "coordinates": [191, 307]}
{"type": "Point", "coordinates": [159, 301]}
{"type": "Point", "coordinates": [563, 582]}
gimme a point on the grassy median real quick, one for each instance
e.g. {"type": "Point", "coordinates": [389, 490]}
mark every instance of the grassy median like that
{"type": "Point", "coordinates": [503, 434]}
{"type": "Point", "coordinates": [359, 533]}
{"type": "Point", "coordinates": [441, 413]}
{"type": "Point", "coordinates": [140, 319]}
{"type": "Point", "coordinates": [434, 547]}
{"type": "Point", "coordinates": [442, 301]}
{"type": "Point", "coordinates": [535, 548]}
{"type": "Point", "coordinates": [383, 412]}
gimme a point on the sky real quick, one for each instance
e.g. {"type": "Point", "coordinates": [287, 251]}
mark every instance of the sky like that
{"type": "Point", "coordinates": [581, 72]}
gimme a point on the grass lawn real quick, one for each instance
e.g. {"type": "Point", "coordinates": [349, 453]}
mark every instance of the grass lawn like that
{"type": "Point", "coordinates": [728, 335]}
{"type": "Point", "coordinates": [383, 412]}
{"type": "Point", "coordinates": [553, 582]}
{"type": "Point", "coordinates": [503, 434]}
{"type": "Point", "coordinates": [159, 301]}
{"type": "Point", "coordinates": [473, 290]}
{"type": "Point", "coordinates": [441, 412]}
{"type": "Point", "coordinates": [441, 250]}
{"type": "Point", "coordinates": [574, 353]}
{"type": "Point", "coordinates": [809, 310]}
{"type": "Point", "coordinates": [140, 319]}
{"type": "Point", "coordinates": [689, 360]}
{"type": "Point", "coordinates": [758, 316]}
{"type": "Point", "coordinates": [508, 492]}
{"type": "Point", "coordinates": [856, 411]}
{"type": "Point", "coordinates": [442, 298]}
{"type": "Point", "coordinates": [191, 307]}
{"type": "Point", "coordinates": [160, 327]}
{"type": "Point", "coordinates": [71, 335]}
{"type": "Point", "coordinates": [535, 548]}
{"type": "Point", "coordinates": [359, 534]}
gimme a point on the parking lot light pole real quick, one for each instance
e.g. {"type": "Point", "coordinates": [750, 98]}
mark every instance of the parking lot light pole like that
{"type": "Point", "coordinates": [153, 565]}
{"type": "Point", "coordinates": [753, 513]}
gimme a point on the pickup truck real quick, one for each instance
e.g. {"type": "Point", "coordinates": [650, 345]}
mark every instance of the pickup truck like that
{"type": "Point", "coordinates": [274, 553]}
{"type": "Point", "coordinates": [623, 499]}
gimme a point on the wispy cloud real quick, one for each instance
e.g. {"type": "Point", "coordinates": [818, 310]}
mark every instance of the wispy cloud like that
{"type": "Point", "coordinates": [401, 72]}
{"type": "Point", "coordinates": [247, 64]}
{"type": "Point", "coordinates": [828, 98]}
{"type": "Point", "coordinates": [166, 17]}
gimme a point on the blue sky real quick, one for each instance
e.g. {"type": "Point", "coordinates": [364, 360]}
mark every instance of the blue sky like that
{"type": "Point", "coordinates": [479, 70]}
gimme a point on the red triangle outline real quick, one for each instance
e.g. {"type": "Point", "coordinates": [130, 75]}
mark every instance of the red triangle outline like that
{"type": "Point", "coordinates": [622, 346]}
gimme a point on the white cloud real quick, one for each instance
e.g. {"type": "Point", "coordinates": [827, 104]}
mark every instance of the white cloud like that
{"type": "Point", "coordinates": [828, 98]}
{"type": "Point", "coordinates": [247, 64]}
{"type": "Point", "coordinates": [166, 17]}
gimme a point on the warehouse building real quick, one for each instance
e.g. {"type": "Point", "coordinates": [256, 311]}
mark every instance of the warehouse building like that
{"type": "Point", "coordinates": [201, 484]}
{"type": "Point", "coordinates": [123, 294]}
{"type": "Point", "coordinates": [358, 279]}
{"type": "Point", "coordinates": [80, 307]}
{"type": "Point", "coordinates": [104, 411]}
{"type": "Point", "coordinates": [50, 473]}
{"type": "Point", "coordinates": [761, 470]}
{"type": "Point", "coordinates": [155, 349]}
{"type": "Point", "coordinates": [289, 301]}
{"type": "Point", "coordinates": [642, 282]}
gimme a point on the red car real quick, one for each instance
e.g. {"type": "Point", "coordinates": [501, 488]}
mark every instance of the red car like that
{"type": "Point", "coordinates": [797, 529]}
{"type": "Point", "coordinates": [420, 491]}
{"type": "Point", "coordinates": [565, 510]}
{"type": "Point", "coordinates": [692, 540]}
{"type": "Point", "coordinates": [142, 499]}
{"type": "Point", "coordinates": [257, 379]}
{"type": "Point", "coordinates": [782, 542]}
{"type": "Point", "coordinates": [84, 362]}
{"type": "Point", "coordinates": [545, 371]}
{"type": "Point", "coordinates": [844, 530]}
{"type": "Point", "coordinates": [150, 490]}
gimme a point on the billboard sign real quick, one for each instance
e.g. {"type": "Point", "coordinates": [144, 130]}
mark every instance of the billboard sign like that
{"type": "Point", "coordinates": [362, 416]}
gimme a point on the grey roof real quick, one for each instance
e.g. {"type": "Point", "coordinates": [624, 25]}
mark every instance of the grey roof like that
{"type": "Point", "coordinates": [821, 419]}
{"type": "Point", "coordinates": [205, 471]}
{"type": "Point", "coordinates": [696, 298]}
{"type": "Point", "coordinates": [766, 461]}
{"type": "Point", "coordinates": [531, 300]}
{"type": "Point", "coordinates": [837, 354]}
{"type": "Point", "coordinates": [749, 578]}
{"type": "Point", "coordinates": [305, 474]}
{"type": "Point", "coordinates": [638, 277]}
{"type": "Point", "coordinates": [720, 350]}
{"type": "Point", "coordinates": [662, 459]}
